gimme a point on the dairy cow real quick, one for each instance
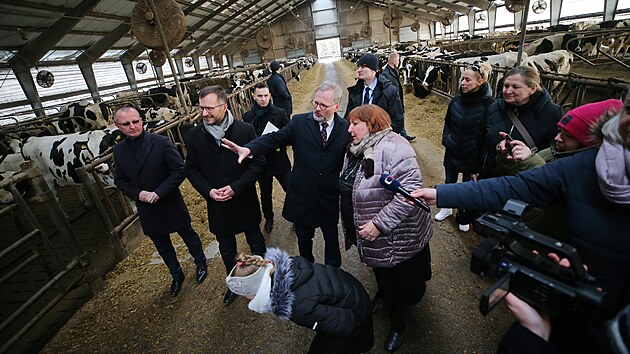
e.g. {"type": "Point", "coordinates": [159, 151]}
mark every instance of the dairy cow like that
{"type": "Point", "coordinates": [82, 117]}
{"type": "Point", "coordinates": [558, 62]}
{"type": "Point", "coordinates": [553, 42]}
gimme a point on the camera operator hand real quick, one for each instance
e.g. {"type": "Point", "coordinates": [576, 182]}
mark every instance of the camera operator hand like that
{"type": "Point", "coordinates": [528, 317]}
{"type": "Point", "coordinates": [427, 195]}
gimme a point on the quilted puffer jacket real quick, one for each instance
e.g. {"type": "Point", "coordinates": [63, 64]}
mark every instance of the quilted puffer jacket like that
{"type": "Point", "coordinates": [405, 228]}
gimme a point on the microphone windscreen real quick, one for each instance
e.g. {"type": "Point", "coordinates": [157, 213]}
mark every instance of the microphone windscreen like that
{"type": "Point", "coordinates": [389, 182]}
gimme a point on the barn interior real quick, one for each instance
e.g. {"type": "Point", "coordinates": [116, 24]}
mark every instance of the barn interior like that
{"type": "Point", "coordinates": [77, 273]}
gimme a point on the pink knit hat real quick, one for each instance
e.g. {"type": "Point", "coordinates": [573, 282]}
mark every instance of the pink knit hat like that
{"type": "Point", "coordinates": [579, 120]}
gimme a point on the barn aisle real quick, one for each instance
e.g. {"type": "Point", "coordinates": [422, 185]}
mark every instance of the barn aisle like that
{"type": "Point", "coordinates": [135, 313]}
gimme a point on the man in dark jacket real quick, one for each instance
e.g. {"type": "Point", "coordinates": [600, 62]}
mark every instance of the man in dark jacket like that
{"type": "Point", "coordinates": [263, 113]}
{"type": "Point", "coordinates": [391, 74]}
{"type": "Point", "coordinates": [149, 170]}
{"type": "Point", "coordinates": [370, 90]}
{"type": "Point", "coordinates": [279, 90]}
{"type": "Point", "coordinates": [228, 187]}
{"type": "Point", "coordinates": [319, 140]}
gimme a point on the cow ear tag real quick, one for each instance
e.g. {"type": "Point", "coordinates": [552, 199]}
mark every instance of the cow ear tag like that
{"type": "Point", "coordinates": [83, 147]}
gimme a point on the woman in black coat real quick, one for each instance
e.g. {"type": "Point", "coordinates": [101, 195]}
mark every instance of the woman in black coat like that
{"type": "Point", "coordinates": [464, 128]}
{"type": "Point", "coordinates": [325, 299]}
{"type": "Point", "coordinates": [532, 106]}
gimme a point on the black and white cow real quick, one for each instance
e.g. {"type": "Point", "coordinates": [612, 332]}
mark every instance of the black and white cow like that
{"type": "Point", "coordinates": [166, 97]}
{"type": "Point", "coordinates": [82, 117]}
{"type": "Point", "coordinates": [553, 42]}
{"type": "Point", "coordinates": [557, 62]}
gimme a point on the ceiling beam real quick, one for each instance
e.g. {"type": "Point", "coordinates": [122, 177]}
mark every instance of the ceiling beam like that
{"type": "Point", "coordinates": [430, 9]}
{"type": "Point", "coordinates": [449, 5]}
{"type": "Point", "coordinates": [59, 9]}
{"type": "Point", "coordinates": [423, 14]}
{"type": "Point", "coordinates": [482, 4]}
{"type": "Point", "coordinates": [43, 29]}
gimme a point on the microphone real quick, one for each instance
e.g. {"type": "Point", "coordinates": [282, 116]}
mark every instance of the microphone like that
{"type": "Point", "coordinates": [391, 184]}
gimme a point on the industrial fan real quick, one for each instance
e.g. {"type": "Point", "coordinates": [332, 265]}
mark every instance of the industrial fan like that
{"type": "Point", "coordinates": [244, 53]}
{"type": "Point", "coordinates": [45, 78]}
{"type": "Point", "coordinates": [188, 62]}
{"type": "Point", "coordinates": [290, 42]}
{"type": "Point", "coordinates": [392, 17]}
{"type": "Point", "coordinates": [366, 31]}
{"type": "Point", "coordinates": [144, 25]}
{"type": "Point", "coordinates": [446, 21]}
{"type": "Point", "coordinates": [480, 17]}
{"type": "Point", "coordinates": [301, 43]}
{"type": "Point", "coordinates": [141, 68]}
{"type": "Point", "coordinates": [265, 37]}
{"type": "Point", "coordinates": [514, 5]}
{"type": "Point", "coordinates": [395, 31]}
{"type": "Point", "coordinates": [539, 6]}
{"type": "Point", "coordinates": [415, 27]}
{"type": "Point", "coordinates": [356, 36]}
{"type": "Point", "coordinates": [157, 57]}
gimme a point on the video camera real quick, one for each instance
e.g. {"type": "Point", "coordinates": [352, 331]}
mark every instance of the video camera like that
{"type": "Point", "coordinates": [506, 254]}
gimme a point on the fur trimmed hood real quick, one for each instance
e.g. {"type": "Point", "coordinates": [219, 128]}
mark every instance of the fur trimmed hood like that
{"type": "Point", "coordinates": [595, 131]}
{"type": "Point", "coordinates": [282, 298]}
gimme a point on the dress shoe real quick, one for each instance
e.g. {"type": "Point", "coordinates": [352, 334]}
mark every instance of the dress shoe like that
{"type": "Point", "coordinates": [176, 285]}
{"type": "Point", "coordinates": [229, 297]}
{"type": "Point", "coordinates": [410, 137]}
{"type": "Point", "coordinates": [376, 304]}
{"type": "Point", "coordinates": [268, 225]}
{"type": "Point", "coordinates": [393, 342]}
{"type": "Point", "coordinates": [202, 273]}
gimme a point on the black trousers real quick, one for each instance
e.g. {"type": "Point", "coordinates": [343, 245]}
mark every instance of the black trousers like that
{"type": "Point", "coordinates": [227, 246]}
{"type": "Point", "coordinates": [305, 234]}
{"type": "Point", "coordinates": [166, 250]}
{"type": "Point", "coordinates": [266, 189]}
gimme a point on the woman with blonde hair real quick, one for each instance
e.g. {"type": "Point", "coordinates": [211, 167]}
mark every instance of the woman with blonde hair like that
{"type": "Point", "coordinates": [323, 298]}
{"type": "Point", "coordinates": [391, 236]}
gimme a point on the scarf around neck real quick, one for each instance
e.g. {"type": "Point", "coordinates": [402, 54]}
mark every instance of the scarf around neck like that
{"type": "Point", "coordinates": [365, 146]}
{"type": "Point", "coordinates": [613, 171]}
{"type": "Point", "coordinates": [218, 131]}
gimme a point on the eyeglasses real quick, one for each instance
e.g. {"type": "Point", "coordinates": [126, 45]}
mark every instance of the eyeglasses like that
{"type": "Point", "coordinates": [210, 109]}
{"type": "Point", "coordinates": [126, 124]}
{"type": "Point", "coordinates": [475, 67]}
{"type": "Point", "coordinates": [321, 105]}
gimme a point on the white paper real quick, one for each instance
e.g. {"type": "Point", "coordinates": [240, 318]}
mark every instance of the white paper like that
{"type": "Point", "coordinates": [270, 128]}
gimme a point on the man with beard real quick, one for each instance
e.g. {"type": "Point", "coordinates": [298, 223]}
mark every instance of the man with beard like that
{"type": "Point", "coordinates": [319, 140]}
{"type": "Point", "coordinates": [228, 186]}
{"type": "Point", "coordinates": [263, 113]}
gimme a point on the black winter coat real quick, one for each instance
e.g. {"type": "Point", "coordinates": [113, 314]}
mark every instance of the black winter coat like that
{"type": "Point", "coordinates": [464, 129]}
{"type": "Point", "coordinates": [277, 161]}
{"type": "Point", "coordinates": [160, 169]}
{"type": "Point", "coordinates": [325, 299]}
{"type": "Point", "coordinates": [540, 117]}
{"type": "Point", "coordinates": [280, 92]}
{"type": "Point", "coordinates": [210, 166]}
{"type": "Point", "coordinates": [312, 198]}
{"type": "Point", "coordinates": [393, 76]}
{"type": "Point", "coordinates": [385, 96]}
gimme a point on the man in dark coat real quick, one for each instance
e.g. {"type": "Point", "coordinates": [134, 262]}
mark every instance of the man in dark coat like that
{"type": "Point", "coordinates": [228, 186]}
{"type": "Point", "coordinates": [279, 90]}
{"type": "Point", "coordinates": [149, 170]}
{"type": "Point", "coordinates": [319, 140]}
{"type": "Point", "coordinates": [263, 113]}
{"type": "Point", "coordinates": [370, 90]}
{"type": "Point", "coordinates": [391, 74]}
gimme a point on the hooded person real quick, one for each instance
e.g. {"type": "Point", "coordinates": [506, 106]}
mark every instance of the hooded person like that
{"type": "Point", "coordinates": [325, 299]}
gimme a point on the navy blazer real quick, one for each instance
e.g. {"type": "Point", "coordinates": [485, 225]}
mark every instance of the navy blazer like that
{"type": "Point", "coordinates": [312, 198]}
{"type": "Point", "coordinates": [159, 168]}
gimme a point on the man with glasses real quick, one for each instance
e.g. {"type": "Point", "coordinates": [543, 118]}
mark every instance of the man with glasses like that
{"type": "Point", "coordinates": [228, 186]}
{"type": "Point", "coordinates": [369, 89]}
{"type": "Point", "coordinates": [149, 170]}
{"type": "Point", "coordinates": [319, 140]}
{"type": "Point", "coordinates": [265, 114]}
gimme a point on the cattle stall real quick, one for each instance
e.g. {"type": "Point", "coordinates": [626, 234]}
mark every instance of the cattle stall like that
{"type": "Point", "coordinates": [578, 89]}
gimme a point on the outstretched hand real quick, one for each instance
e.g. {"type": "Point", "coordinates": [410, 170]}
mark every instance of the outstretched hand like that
{"type": "Point", "coordinates": [427, 195]}
{"type": "Point", "coordinates": [242, 152]}
{"type": "Point", "coordinates": [528, 317]}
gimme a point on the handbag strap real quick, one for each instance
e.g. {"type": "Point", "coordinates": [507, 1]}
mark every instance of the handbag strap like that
{"type": "Point", "coordinates": [521, 129]}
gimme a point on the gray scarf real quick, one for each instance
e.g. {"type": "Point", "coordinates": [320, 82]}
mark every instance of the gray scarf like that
{"type": "Point", "coordinates": [218, 131]}
{"type": "Point", "coordinates": [613, 171]}
{"type": "Point", "coordinates": [365, 146]}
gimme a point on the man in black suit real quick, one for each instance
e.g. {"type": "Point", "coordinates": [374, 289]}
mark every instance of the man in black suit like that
{"type": "Point", "coordinates": [391, 74]}
{"type": "Point", "coordinates": [279, 90]}
{"type": "Point", "coordinates": [228, 186]}
{"type": "Point", "coordinates": [319, 140]}
{"type": "Point", "coordinates": [262, 113]}
{"type": "Point", "coordinates": [149, 170]}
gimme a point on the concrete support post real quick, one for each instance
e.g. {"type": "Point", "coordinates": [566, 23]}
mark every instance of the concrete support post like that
{"type": "Point", "coordinates": [610, 7]}
{"type": "Point", "coordinates": [179, 62]}
{"type": "Point", "coordinates": [230, 61]}
{"type": "Point", "coordinates": [23, 75]}
{"type": "Point", "coordinates": [209, 61]}
{"type": "Point", "coordinates": [492, 18]}
{"type": "Point", "coordinates": [88, 75]}
{"type": "Point", "coordinates": [130, 73]}
{"type": "Point", "coordinates": [554, 11]}
{"type": "Point", "coordinates": [160, 75]}
{"type": "Point", "coordinates": [196, 63]}
{"type": "Point", "coordinates": [471, 22]}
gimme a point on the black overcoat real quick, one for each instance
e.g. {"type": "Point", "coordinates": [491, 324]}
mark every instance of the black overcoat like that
{"type": "Point", "coordinates": [385, 96]}
{"type": "Point", "coordinates": [277, 161]}
{"type": "Point", "coordinates": [160, 169]}
{"type": "Point", "coordinates": [312, 198]}
{"type": "Point", "coordinates": [280, 92]}
{"type": "Point", "coordinates": [393, 76]}
{"type": "Point", "coordinates": [210, 166]}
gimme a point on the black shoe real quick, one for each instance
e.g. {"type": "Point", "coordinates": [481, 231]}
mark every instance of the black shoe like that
{"type": "Point", "coordinates": [393, 342]}
{"type": "Point", "coordinates": [268, 225]}
{"type": "Point", "coordinates": [410, 137]}
{"type": "Point", "coordinates": [176, 285]}
{"type": "Point", "coordinates": [202, 273]}
{"type": "Point", "coordinates": [376, 304]}
{"type": "Point", "coordinates": [229, 297]}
